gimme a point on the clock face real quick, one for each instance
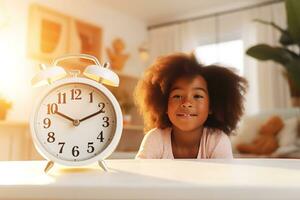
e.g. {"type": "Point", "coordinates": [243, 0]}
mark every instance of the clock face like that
{"type": "Point", "coordinates": [75, 122]}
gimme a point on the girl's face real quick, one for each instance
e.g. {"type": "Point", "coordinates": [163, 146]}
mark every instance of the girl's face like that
{"type": "Point", "coordinates": [188, 103]}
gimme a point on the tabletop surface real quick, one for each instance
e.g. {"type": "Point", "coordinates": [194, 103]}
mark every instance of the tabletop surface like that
{"type": "Point", "coordinates": [154, 179]}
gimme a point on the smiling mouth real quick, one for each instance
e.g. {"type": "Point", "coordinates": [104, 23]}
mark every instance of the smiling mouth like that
{"type": "Point", "coordinates": [186, 115]}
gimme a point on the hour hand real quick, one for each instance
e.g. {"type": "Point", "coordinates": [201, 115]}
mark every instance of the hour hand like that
{"type": "Point", "coordinates": [65, 116]}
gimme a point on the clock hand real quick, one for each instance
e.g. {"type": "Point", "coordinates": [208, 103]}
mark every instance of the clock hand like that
{"type": "Point", "coordinates": [92, 115]}
{"type": "Point", "coordinates": [65, 116]}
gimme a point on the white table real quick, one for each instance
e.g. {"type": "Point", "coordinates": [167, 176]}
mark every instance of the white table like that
{"type": "Point", "coordinates": [154, 179]}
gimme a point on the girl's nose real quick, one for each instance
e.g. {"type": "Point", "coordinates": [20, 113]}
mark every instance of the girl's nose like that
{"type": "Point", "coordinates": [186, 103]}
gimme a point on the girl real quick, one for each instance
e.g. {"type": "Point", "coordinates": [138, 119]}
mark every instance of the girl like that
{"type": "Point", "coordinates": [191, 109]}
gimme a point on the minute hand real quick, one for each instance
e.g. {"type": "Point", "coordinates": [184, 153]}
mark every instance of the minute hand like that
{"type": "Point", "coordinates": [92, 115]}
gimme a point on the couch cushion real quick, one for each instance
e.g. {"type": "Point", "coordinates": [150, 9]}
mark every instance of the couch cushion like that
{"type": "Point", "coordinates": [249, 126]}
{"type": "Point", "coordinates": [288, 134]}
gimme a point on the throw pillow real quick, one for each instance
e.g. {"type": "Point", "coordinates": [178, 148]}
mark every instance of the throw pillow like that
{"type": "Point", "coordinates": [288, 134]}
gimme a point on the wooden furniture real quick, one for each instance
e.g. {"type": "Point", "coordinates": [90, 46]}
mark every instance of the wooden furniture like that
{"type": "Point", "coordinates": [16, 142]}
{"type": "Point", "coordinates": [241, 179]}
{"type": "Point", "coordinates": [133, 132]}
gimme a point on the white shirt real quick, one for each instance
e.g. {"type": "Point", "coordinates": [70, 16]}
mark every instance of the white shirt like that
{"type": "Point", "coordinates": [157, 145]}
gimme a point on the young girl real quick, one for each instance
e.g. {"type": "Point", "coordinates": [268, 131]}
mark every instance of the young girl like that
{"type": "Point", "coordinates": [191, 109]}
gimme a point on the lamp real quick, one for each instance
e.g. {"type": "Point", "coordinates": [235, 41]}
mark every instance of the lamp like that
{"type": "Point", "coordinates": [144, 51]}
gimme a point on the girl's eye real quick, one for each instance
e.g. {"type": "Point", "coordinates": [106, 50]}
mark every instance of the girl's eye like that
{"type": "Point", "coordinates": [176, 96]}
{"type": "Point", "coordinates": [197, 96]}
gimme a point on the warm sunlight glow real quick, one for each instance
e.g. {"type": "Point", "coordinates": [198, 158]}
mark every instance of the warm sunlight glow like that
{"type": "Point", "coordinates": [16, 69]}
{"type": "Point", "coordinates": [31, 173]}
{"type": "Point", "coordinates": [12, 64]}
{"type": "Point", "coordinates": [227, 53]}
{"type": "Point", "coordinates": [3, 15]}
{"type": "Point", "coordinates": [8, 69]}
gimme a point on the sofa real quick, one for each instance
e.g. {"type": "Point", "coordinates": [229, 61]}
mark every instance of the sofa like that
{"type": "Point", "coordinates": [288, 137]}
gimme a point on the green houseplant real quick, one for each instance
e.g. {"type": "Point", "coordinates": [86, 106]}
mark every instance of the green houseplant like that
{"type": "Point", "coordinates": [289, 59]}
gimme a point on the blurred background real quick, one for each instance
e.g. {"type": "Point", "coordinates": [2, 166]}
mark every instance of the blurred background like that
{"type": "Point", "coordinates": [130, 34]}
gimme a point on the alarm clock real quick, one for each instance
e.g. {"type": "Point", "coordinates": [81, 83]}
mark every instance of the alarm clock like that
{"type": "Point", "coordinates": [77, 120]}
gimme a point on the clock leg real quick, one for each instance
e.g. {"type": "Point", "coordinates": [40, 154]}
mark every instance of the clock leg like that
{"type": "Point", "coordinates": [103, 165]}
{"type": "Point", "coordinates": [48, 166]}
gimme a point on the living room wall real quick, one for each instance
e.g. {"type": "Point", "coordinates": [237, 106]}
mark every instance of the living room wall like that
{"type": "Point", "coordinates": [17, 69]}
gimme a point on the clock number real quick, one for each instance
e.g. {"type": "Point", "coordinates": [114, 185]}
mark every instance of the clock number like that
{"type": "Point", "coordinates": [62, 146]}
{"type": "Point", "coordinates": [90, 149]}
{"type": "Point", "coordinates": [101, 106]}
{"type": "Point", "coordinates": [91, 97]}
{"type": "Point", "coordinates": [47, 122]}
{"type": "Point", "coordinates": [100, 136]}
{"type": "Point", "coordinates": [106, 123]}
{"type": "Point", "coordinates": [52, 108]}
{"type": "Point", "coordinates": [75, 151]}
{"type": "Point", "coordinates": [75, 94]}
{"type": "Point", "coordinates": [61, 98]}
{"type": "Point", "coordinates": [51, 137]}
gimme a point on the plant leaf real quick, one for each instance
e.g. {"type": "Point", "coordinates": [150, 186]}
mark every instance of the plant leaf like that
{"type": "Point", "coordinates": [286, 39]}
{"type": "Point", "coordinates": [270, 23]}
{"type": "Point", "coordinates": [293, 18]}
{"type": "Point", "coordinates": [266, 52]}
{"type": "Point", "coordinates": [293, 69]}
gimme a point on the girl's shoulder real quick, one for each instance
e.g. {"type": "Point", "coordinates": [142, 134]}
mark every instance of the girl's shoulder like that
{"type": "Point", "coordinates": [158, 133]}
{"type": "Point", "coordinates": [218, 144]}
{"type": "Point", "coordinates": [153, 144]}
{"type": "Point", "coordinates": [216, 137]}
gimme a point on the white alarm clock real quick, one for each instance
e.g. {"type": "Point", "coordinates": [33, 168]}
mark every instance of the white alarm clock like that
{"type": "Point", "coordinates": [77, 121]}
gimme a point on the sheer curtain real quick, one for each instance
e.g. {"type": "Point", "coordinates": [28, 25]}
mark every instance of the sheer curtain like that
{"type": "Point", "coordinates": [268, 88]}
{"type": "Point", "coordinates": [183, 37]}
{"type": "Point", "coordinates": [166, 40]}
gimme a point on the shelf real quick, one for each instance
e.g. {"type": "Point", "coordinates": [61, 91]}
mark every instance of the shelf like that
{"type": "Point", "coordinates": [133, 127]}
{"type": "Point", "coordinates": [10, 123]}
{"type": "Point", "coordinates": [122, 74]}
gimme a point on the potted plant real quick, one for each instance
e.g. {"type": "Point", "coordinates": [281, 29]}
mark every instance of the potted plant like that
{"type": "Point", "coordinates": [289, 59]}
{"type": "Point", "coordinates": [4, 107]}
{"type": "Point", "coordinates": [126, 104]}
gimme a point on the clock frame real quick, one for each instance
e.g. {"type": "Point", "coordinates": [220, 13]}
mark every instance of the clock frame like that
{"type": "Point", "coordinates": [118, 122]}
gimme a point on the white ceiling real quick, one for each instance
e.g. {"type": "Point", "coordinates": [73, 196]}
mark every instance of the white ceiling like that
{"type": "Point", "coordinates": [154, 12]}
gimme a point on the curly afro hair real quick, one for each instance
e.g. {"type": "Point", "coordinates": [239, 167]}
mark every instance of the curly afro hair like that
{"type": "Point", "coordinates": [225, 88]}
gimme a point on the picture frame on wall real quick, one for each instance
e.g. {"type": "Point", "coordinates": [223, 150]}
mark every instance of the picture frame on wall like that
{"type": "Point", "coordinates": [47, 33]}
{"type": "Point", "coordinates": [84, 38]}
{"type": "Point", "coordinates": [52, 34]}
{"type": "Point", "coordinates": [89, 37]}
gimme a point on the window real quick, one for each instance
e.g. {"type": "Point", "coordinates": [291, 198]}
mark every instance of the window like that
{"type": "Point", "coordinates": [229, 54]}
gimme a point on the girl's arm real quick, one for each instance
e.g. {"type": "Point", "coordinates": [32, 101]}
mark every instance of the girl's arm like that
{"type": "Point", "coordinates": [151, 146]}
